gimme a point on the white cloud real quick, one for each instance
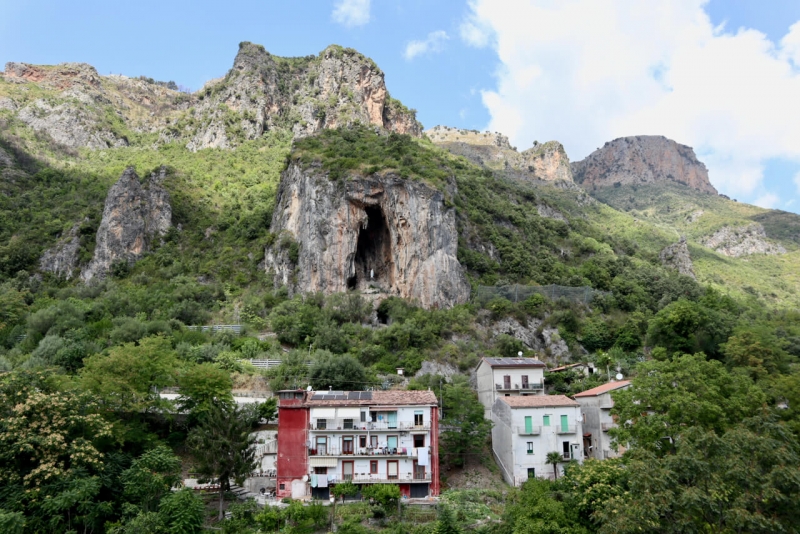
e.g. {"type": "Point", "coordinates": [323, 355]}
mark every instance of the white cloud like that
{"type": "Point", "coordinates": [587, 71]}
{"type": "Point", "coordinates": [433, 43]}
{"type": "Point", "coordinates": [796, 181]}
{"type": "Point", "coordinates": [767, 200]}
{"type": "Point", "coordinates": [351, 13]}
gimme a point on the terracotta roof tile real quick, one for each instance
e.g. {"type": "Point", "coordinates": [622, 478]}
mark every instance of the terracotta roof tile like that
{"type": "Point", "coordinates": [605, 388]}
{"type": "Point", "coordinates": [382, 398]}
{"type": "Point", "coordinates": [538, 401]}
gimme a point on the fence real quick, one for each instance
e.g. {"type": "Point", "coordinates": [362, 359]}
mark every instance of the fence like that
{"type": "Point", "coordinates": [235, 328]}
{"type": "Point", "coordinates": [518, 293]}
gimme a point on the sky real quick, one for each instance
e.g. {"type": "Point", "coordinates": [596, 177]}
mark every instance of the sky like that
{"type": "Point", "coordinates": [722, 76]}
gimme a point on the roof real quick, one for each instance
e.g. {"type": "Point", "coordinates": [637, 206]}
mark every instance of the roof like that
{"type": "Point", "coordinates": [513, 362]}
{"type": "Point", "coordinates": [538, 401]}
{"type": "Point", "coordinates": [371, 398]}
{"type": "Point", "coordinates": [570, 366]}
{"type": "Point", "coordinates": [605, 388]}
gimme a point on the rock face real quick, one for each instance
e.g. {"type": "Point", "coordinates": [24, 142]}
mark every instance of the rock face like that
{"type": "Point", "coordinates": [742, 241]}
{"type": "Point", "coordinates": [544, 340]}
{"type": "Point", "coordinates": [379, 233]}
{"type": "Point", "coordinates": [337, 88]}
{"type": "Point", "coordinates": [62, 259]}
{"type": "Point", "coordinates": [134, 215]}
{"type": "Point", "coordinates": [642, 159]}
{"type": "Point", "coordinates": [546, 162]}
{"type": "Point", "coordinates": [676, 256]}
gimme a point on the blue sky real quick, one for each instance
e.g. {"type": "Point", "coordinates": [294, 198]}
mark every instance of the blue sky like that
{"type": "Point", "coordinates": [720, 75]}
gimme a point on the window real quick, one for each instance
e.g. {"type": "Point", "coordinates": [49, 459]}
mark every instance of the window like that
{"type": "Point", "coordinates": [418, 418]}
{"type": "Point", "coordinates": [564, 423]}
{"type": "Point", "coordinates": [322, 445]}
{"type": "Point", "coordinates": [373, 467]}
{"type": "Point", "coordinates": [524, 381]}
{"type": "Point", "coordinates": [419, 440]}
{"type": "Point", "coordinates": [363, 417]}
{"type": "Point", "coordinates": [282, 486]}
{"type": "Point", "coordinates": [373, 416]}
{"type": "Point", "coordinates": [507, 382]}
{"type": "Point", "coordinates": [320, 470]}
{"type": "Point", "coordinates": [392, 418]}
{"type": "Point", "coordinates": [347, 470]}
{"type": "Point", "coordinates": [530, 447]}
{"type": "Point", "coordinates": [347, 444]}
{"type": "Point", "coordinates": [546, 420]}
{"type": "Point", "coordinates": [528, 424]}
{"type": "Point", "coordinates": [373, 442]}
{"type": "Point", "coordinates": [391, 444]}
{"type": "Point", "coordinates": [347, 424]}
{"type": "Point", "coordinates": [531, 472]}
{"type": "Point", "coordinates": [391, 469]}
{"type": "Point", "coordinates": [362, 442]}
{"type": "Point", "coordinates": [565, 449]}
{"type": "Point", "coordinates": [322, 424]}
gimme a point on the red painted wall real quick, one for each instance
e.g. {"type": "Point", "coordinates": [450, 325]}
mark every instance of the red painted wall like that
{"type": "Point", "coordinates": [435, 483]}
{"type": "Point", "coordinates": [293, 420]}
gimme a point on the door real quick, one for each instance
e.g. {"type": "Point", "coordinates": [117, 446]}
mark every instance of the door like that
{"type": "Point", "coordinates": [419, 491]}
{"type": "Point", "coordinates": [528, 424]}
{"type": "Point", "coordinates": [546, 420]}
{"type": "Point", "coordinates": [347, 445]}
{"type": "Point", "coordinates": [322, 445]}
{"type": "Point", "coordinates": [507, 382]}
{"type": "Point", "coordinates": [419, 471]}
{"type": "Point", "coordinates": [524, 381]}
{"type": "Point", "coordinates": [347, 470]}
{"type": "Point", "coordinates": [565, 449]}
{"type": "Point", "coordinates": [564, 423]}
{"type": "Point", "coordinates": [391, 444]}
{"type": "Point", "coordinates": [392, 419]}
{"type": "Point", "coordinates": [531, 473]}
{"type": "Point", "coordinates": [391, 469]}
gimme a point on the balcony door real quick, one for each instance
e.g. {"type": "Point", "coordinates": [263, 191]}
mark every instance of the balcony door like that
{"type": "Point", "coordinates": [507, 382]}
{"type": "Point", "coordinates": [347, 470]}
{"type": "Point", "coordinates": [392, 471]}
{"type": "Point", "coordinates": [322, 445]}
{"type": "Point", "coordinates": [392, 417]}
{"type": "Point", "coordinates": [564, 423]}
{"type": "Point", "coordinates": [524, 381]}
{"type": "Point", "coordinates": [347, 444]}
{"type": "Point", "coordinates": [419, 471]}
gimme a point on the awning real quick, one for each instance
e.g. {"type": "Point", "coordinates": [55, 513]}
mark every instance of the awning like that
{"type": "Point", "coordinates": [323, 413]}
{"type": "Point", "coordinates": [349, 413]}
{"type": "Point", "coordinates": [322, 462]}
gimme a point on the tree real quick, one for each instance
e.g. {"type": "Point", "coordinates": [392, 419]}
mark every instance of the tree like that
{"type": "Point", "coordinates": [446, 523]}
{"type": "Point", "coordinates": [344, 489]}
{"type": "Point", "coordinates": [182, 512]}
{"type": "Point", "coordinates": [554, 458]}
{"type": "Point", "coordinates": [202, 387]}
{"type": "Point", "coordinates": [465, 428]}
{"type": "Point", "coordinates": [535, 510]}
{"type": "Point", "coordinates": [337, 372]}
{"type": "Point", "coordinates": [291, 373]}
{"type": "Point", "coordinates": [387, 495]}
{"type": "Point", "coordinates": [667, 397]}
{"type": "Point", "coordinates": [756, 349]}
{"type": "Point", "coordinates": [129, 377]}
{"type": "Point", "coordinates": [151, 476]}
{"type": "Point", "coordinates": [222, 447]}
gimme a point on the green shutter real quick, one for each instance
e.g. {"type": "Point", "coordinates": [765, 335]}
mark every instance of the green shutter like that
{"type": "Point", "coordinates": [528, 424]}
{"type": "Point", "coordinates": [564, 425]}
{"type": "Point", "coordinates": [546, 420]}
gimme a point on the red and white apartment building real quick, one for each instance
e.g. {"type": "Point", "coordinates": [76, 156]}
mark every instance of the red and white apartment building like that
{"type": "Point", "coordinates": [366, 437]}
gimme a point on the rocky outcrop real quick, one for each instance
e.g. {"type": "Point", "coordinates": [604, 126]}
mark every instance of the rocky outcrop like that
{"type": "Point", "coordinates": [742, 241]}
{"type": "Point", "coordinates": [69, 124]}
{"type": "Point", "coordinates": [62, 259]}
{"type": "Point", "coordinates": [337, 88]}
{"type": "Point", "coordinates": [535, 337]}
{"type": "Point", "coordinates": [676, 257]}
{"type": "Point", "coordinates": [379, 232]}
{"type": "Point", "coordinates": [642, 159]}
{"type": "Point", "coordinates": [5, 159]}
{"type": "Point", "coordinates": [546, 162]}
{"type": "Point", "coordinates": [135, 214]}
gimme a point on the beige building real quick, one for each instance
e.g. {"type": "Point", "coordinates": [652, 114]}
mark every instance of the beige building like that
{"type": "Point", "coordinates": [508, 377]}
{"type": "Point", "coordinates": [596, 404]}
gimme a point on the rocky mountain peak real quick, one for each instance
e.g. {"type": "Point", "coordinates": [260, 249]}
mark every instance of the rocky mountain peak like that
{"type": "Point", "coordinates": [642, 159]}
{"type": "Point", "coordinates": [60, 77]}
{"type": "Point", "coordinates": [545, 162]}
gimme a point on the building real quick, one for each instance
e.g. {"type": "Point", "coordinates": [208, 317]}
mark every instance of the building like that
{"type": "Point", "coordinates": [596, 404]}
{"type": "Point", "coordinates": [527, 428]}
{"type": "Point", "coordinates": [506, 377]}
{"type": "Point", "coordinates": [367, 437]}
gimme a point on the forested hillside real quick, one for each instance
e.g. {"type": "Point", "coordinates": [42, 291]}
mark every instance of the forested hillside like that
{"type": "Point", "coordinates": [87, 444]}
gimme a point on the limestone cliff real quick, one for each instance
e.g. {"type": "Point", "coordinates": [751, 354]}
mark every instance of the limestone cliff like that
{"type": "Point", "coordinates": [134, 215]}
{"type": "Point", "coordinates": [62, 259]}
{"type": "Point", "coordinates": [676, 256]}
{"type": "Point", "coordinates": [640, 160]}
{"type": "Point", "coordinates": [742, 241]}
{"type": "Point", "coordinates": [378, 232]}
{"type": "Point", "coordinates": [337, 88]}
{"type": "Point", "coordinates": [547, 162]}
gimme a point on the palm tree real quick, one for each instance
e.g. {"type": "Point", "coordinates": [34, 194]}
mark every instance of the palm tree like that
{"type": "Point", "coordinates": [555, 459]}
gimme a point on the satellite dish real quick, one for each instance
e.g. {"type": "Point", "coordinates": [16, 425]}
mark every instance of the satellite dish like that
{"type": "Point", "coordinates": [519, 354]}
{"type": "Point", "coordinates": [308, 388]}
{"type": "Point", "coordinates": [619, 376]}
{"type": "Point", "coordinates": [305, 478]}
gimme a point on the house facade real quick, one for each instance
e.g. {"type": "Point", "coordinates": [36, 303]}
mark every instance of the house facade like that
{"type": "Point", "coordinates": [366, 437]}
{"type": "Point", "coordinates": [508, 377]}
{"type": "Point", "coordinates": [527, 428]}
{"type": "Point", "coordinates": [596, 404]}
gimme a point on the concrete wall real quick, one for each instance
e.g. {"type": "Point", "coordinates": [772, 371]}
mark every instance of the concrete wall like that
{"type": "Point", "coordinates": [488, 377]}
{"type": "Point", "coordinates": [597, 415]}
{"type": "Point", "coordinates": [503, 439]}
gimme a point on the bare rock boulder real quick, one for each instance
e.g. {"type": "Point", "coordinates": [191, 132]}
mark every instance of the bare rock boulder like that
{"type": "Point", "coordinates": [136, 213]}
{"type": "Point", "coordinates": [379, 233]}
{"type": "Point", "coordinates": [742, 241]}
{"type": "Point", "coordinates": [676, 256]}
{"type": "Point", "coordinates": [62, 259]}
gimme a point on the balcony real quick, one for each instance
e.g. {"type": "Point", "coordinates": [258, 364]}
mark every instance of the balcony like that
{"type": "Point", "coordinates": [342, 425]}
{"type": "Point", "coordinates": [571, 429]}
{"type": "Point", "coordinates": [400, 452]}
{"type": "Point", "coordinates": [383, 478]}
{"type": "Point", "coordinates": [520, 387]}
{"type": "Point", "coordinates": [605, 427]}
{"type": "Point", "coordinates": [532, 431]}
{"type": "Point", "coordinates": [606, 403]}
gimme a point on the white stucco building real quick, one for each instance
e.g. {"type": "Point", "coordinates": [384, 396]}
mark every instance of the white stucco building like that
{"type": "Point", "coordinates": [527, 428]}
{"type": "Point", "coordinates": [596, 404]}
{"type": "Point", "coordinates": [508, 377]}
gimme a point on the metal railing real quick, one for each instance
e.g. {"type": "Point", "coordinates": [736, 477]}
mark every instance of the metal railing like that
{"type": "Point", "coordinates": [383, 478]}
{"type": "Point", "coordinates": [518, 387]}
{"type": "Point", "coordinates": [569, 429]}
{"type": "Point", "coordinates": [605, 427]}
{"type": "Point", "coordinates": [532, 431]}
{"type": "Point", "coordinates": [517, 293]}
{"type": "Point", "coordinates": [235, 328]}
{"type": "Point", "coordinates": [360, 451]}
{"type": "Point", "coordinates": [343, 425]}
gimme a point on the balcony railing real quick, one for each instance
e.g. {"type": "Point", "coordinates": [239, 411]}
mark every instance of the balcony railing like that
{"type": "Point", "coordinates": [532, 431]}
{"type": "Point", "coordinates": [340, 425]}
{"type": "Point", "coordinates": [565, 429]}
{"type": "Point", "coordinates": [606, 403]}
{"type": "Point", "coordinates": [383, 478]}
{"type": "Point", "coordinates": [538, 386]}
{"type": "Point", "coordinates": [359, 451]}
{"type": "Point", "coordinates": [605, 427]}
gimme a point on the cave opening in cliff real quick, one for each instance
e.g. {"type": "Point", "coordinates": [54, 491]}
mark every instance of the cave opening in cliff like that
{"type": "Point", "coordinates": [373, 252]}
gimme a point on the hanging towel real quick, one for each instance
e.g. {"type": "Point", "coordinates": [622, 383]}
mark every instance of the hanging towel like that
{"type": "Point", "coordinates": [422, 456]}
{"type": "Point", "coordinates": [323, 482]}
{"type": "Point", "coordinates": [313, 481]}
